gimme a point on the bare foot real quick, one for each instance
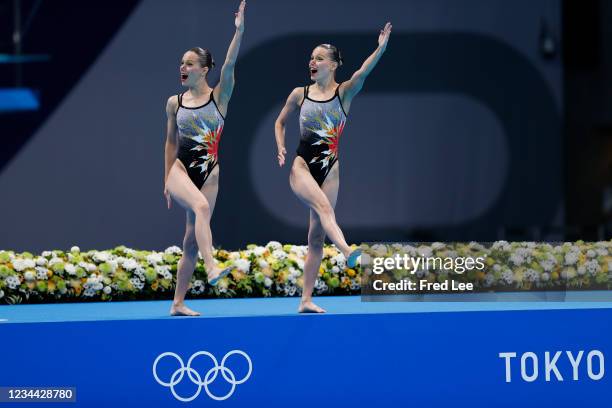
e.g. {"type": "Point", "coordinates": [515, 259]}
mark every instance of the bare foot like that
{"type": "Point", "coordinates": [182, 310]}
{"type": "Point", "coordinates": [309, 307]}
{"type": "Point", "coordinates": [217, 274]}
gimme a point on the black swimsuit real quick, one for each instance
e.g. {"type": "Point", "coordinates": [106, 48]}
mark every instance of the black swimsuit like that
{"type": "Point", "coordinates": [321, 124]}
{"type": "Point", "coordinates": [200, 131]}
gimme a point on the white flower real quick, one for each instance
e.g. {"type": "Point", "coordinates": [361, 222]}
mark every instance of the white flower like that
{"type": "Point", "coordinates": [267, 282]}
{"type": "Point", "coordinates": [107, 290]}
{"type": "Point", "coordinates": [335, 269]}
{"type": "Point", "coordinates": [279, 254]}
{"type": "Point", "coordinates": [41, 273]}
{"type": "Point", "coordinates": [548, 264]}
{"type": "Point", "coordinates": [601, 251]}
{"type": "Point", "coordinates": [581, 270]}
{"type": "Point", "coordinates": [591, 254]}
{"type": "Point", "coordinates": [497, 268]}
{"type": "Point", "coordinates": [47, 254]}
{"type": "Point", "coordinates": [12, 281]}
{"type": "Point", "coordinates": [437, 245]}
{"type": "Point", "coordinates": [242, 265]}
{"type": "Point", "coordinates": [501, 245]}
{"type": "Point", "coordinates": [234, 255]}
{"type": "Point", "coordinates": [592, 266]}
{"type": "Point", "coordinates": [173, 250]}
{"type": "Point", "coordinates": [274, 245]}
{"type": "Point", "coordinates": [29, 276]}
{"type": "Point", "coordinates": [40, 261]}
{"type": "Point", "coordinates": [1, 293]}
{"type": "Point", "coordinates": [263, 264]}
{"type": "Point", "coordinates": [517, 259]}
{"type": "Point", "coordinates": [507, 277]}
{"type": "Point", "coordinates": [409, 249]}
{"type": "Point", "coordinates": [101, 256]}
{"type": "Point", "coordinates": [197, 287]}
{"type": "Point", "coordinates": [475, 245]}
{"type": "Point", "coordinates": [379, 250]}
{"type": "Point", "coordinates": [531, 275]}
{"type": "Point", "coordinates": [154, 258]}
{"type": "Point", "coordinates": [130, 264]}
{"type": "Point", "coordinates": [70, 269]}
{"type": "Point", "coordinates": [568, 273]}
{"type": "Point", "coordinates": [300, 264]}
{"type": "Point", "coordinates": [489, 279]}
{"type": "Point", "coordinates": [55, 260]}
{"type": "Point", "coordinates": [75, 249]}
{"type": "Point", "coordinates": [259, 251]}
{"type": "Point", "coordinates": [299, 250]}
{"type": "Point", "coordinates": [339, 260]}
{"type": "Point", "coordinates": [545, 277]}
{"type": "Point", "coordinates": [137, 283]}
{"type": "Point", "coordinates": [571, 258]}
{"type": "Point", "coordinates": [89, 292]}
{"type": "Point", "coordinates": [22, 264]}
{"type": "Point", "coordinates": [424, 251]}
{"type": "Point", "coordinates": [419, 273]}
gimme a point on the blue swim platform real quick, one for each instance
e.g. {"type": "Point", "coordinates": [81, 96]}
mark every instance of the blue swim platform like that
{"type": "Point", "coordinates": [361, 354]}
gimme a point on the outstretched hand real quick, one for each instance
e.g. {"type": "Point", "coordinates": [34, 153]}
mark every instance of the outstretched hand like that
{"type": "Point", "coordinates": [281, 156]}
{"type": "Point", "coordinates": [239, 21]}
{"type": "Point", "coordinates": [383, 37]}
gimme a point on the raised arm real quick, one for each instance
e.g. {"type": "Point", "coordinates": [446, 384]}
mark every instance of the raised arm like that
{"type": "Point", "coordinates": [352, 87]}
{"type": "Point", "coordinates": [171, 149]}
{"type": "Point", "coordinates": [293, 101]}
{"type": "Point", "coordinates": [223, 91]}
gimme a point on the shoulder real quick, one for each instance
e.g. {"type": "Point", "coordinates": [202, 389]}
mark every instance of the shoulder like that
{"type": "Point", "coordinates": [172, 105]}
{"type": "Point", "coordinates": [297, 95]}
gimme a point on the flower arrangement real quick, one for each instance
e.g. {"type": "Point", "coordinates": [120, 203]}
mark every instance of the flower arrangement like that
{"type": "Point", "coordinates": [510, 266]}
{"type": "Point", "coordinates": [276, 270]}
{"type": "Point", "coordinates": [127, 274]}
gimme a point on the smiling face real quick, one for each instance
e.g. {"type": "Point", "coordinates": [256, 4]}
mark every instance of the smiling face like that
{"type": "Point", "coordinates": [321, 64]}
{"type": "Point", "coordinates": [191, 71]}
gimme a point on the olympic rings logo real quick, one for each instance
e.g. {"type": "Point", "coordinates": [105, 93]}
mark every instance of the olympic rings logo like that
{"type": "Point", "coordinates": [210, 376]}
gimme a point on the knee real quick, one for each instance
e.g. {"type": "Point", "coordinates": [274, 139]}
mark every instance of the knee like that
{"type": "Point", "coordinates": [202, 208]}
{"type": "Point", "coordinates": [316, 241]}
{"type": "Point", "coordinates": [325, 210]}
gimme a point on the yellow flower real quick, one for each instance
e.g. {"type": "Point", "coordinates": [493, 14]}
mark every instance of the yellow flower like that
{"type": "Point", "coordinates": [321, 270]}
{"type": "Point", "coordinates": [351, 272]}
{"type": "Point", "coordinates": [329, 252]}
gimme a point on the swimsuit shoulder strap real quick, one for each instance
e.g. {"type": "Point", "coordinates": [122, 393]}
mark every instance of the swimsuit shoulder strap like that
{"type": "Point", "coordinates": [180, 102]}
{"type": "Point", "coordinates": [305, 94]}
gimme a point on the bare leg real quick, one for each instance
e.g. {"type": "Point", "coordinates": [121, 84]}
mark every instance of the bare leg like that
{"type": "Point", "coordinates": [316, 239]}
{"type": "Point", "coordinates": [307, 190]}
{"type": "Point", "coordinates": [199, 206]}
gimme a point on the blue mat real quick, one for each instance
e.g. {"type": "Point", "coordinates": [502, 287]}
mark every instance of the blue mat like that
{"type": "Point", "coordinates": [260, 352]}
{"type": "Point", "coordinates": [213, 308]}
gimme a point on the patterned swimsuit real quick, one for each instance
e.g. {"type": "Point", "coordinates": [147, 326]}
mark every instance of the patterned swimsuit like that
{"type": "Point", "coordinates": [200, 131]}
{"type": "Point", "coordinates": [321, 124]}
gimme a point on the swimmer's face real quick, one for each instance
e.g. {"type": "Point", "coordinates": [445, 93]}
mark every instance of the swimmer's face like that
{"type": "Point", "coordinates": [191, 71]}
{"type": "Point", "coordinates": [321, 64]}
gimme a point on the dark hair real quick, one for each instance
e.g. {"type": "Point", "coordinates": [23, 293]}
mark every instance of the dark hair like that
{"type": "Point", "coordinates": [204, 57]}
{"type": "Point", "coordinates": [335, 53]}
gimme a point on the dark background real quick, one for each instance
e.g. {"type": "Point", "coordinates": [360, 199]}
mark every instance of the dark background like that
{"type": "Point", "coordinates": [484, 120]}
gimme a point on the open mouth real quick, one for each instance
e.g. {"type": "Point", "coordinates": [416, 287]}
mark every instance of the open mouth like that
{"type": "Point", "coordinates": [183, 77]}
{"type": "Point", "coordinates": [313, 71]}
